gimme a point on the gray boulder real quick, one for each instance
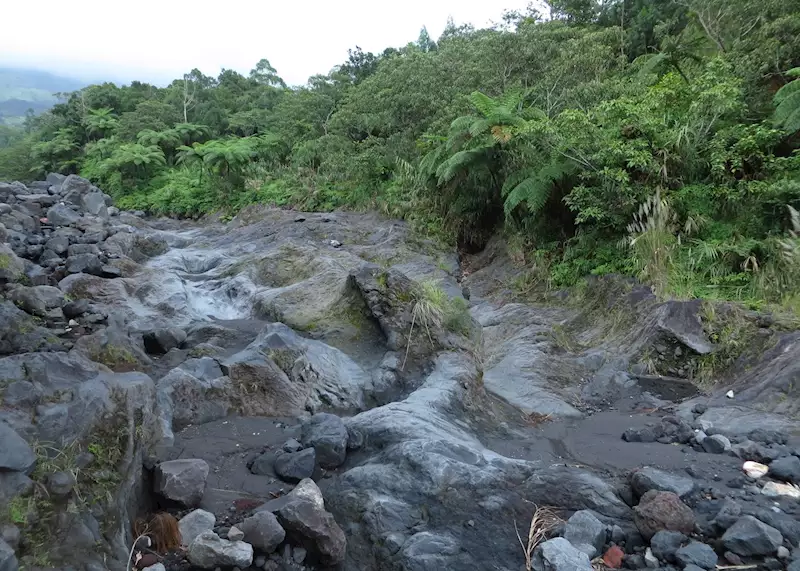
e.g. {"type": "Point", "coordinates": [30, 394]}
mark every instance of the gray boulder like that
{"type": "Point", "coordinates": [698, 554]}
{"type": "Point", "coordinates": [26, 299]}
{"type": "Point", "coordinates": [302, 514]}
{"type": "Point", "coordinates": [586, 532]}
{"type": "Point", "coordinates": [95, 204]}
{"type": "Point", "coordinates": [295, 466]}
{"type": "Point", "coordinates": [55, 179]}
{"type": "Point", "coordinates": [15, 453]}
{"type": "Point", "coordinates": [328, 435]}
{"type": "Point", "coordinates": [159, 341]}
{"type": "Point", "coordinates": [716, 444]}
{"type": "Point", "coordinates": [664, 544]}
{"type": "Point", "coordinates": [74, 187]}
{"type": "Point", "coordinates": [648, 478]}
{"type": "Point", "coordinates": [194, 523]}
{"type": "Point", "coordinates": [62, 215]}
{"type": "Point", "coordinates": [558, 554]}
{"type": "Point", "coordinates": [75, 308]}
{"type": "Point", "coordinates": [786, 469]}
{"type": "Point", "coordinates": [84, 263]}
{"type": "Point", "coordinates": [263, 531]}
{"type": "Point", "coordinates": [182, 481]}
{"type": "Point", "coordinates": [209, 551]}
{"type": "Point", "coordinates": [749, 536]}
{"type": "Point", "coordinates": [8, 561]}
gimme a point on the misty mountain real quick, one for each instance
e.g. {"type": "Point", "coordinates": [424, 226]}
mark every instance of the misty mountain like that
{"type": "Point", "coordinates": [22, 89]}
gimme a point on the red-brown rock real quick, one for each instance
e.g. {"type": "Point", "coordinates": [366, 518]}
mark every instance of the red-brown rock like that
{"type": "Point", "coordinates": [613, 557]}
{"type": "Point", "coordinates": [662, 511]}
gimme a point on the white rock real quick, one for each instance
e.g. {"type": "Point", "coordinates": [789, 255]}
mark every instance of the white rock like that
{"type": "Point", "coordinates": [729, 394]}
{"type": "Point", "coordinates": [209, 551]}
{"type": "Point", "coordinates": [650, 560]}
{"type": "Point", "coordinates": [194, 523]}
{"type": "Point", "coordinates": [754, 469]}
{"type": "Point", "coordinates": [235, 534]}
{"type": "Point", "coordinates": [774, 490]}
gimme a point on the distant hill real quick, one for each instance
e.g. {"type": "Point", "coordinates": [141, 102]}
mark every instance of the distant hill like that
{"type": "Point", "coordinates": [22, 89]}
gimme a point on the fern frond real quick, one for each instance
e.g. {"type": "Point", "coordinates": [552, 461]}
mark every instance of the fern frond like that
{"type": "Point", "coordinates": [459, 161]}
{"type": "Point", "coordinates": [652, 63]}
{"type": "Point", "coordinates": [483, 103]}
{"type": "Point", "coordinates": [462, 124]}
{"type": "Point", "coordinates": [533, 191]}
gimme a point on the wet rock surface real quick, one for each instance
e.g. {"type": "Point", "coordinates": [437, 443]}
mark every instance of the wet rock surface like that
{"type": "Point", "coordinates": [257, 385]}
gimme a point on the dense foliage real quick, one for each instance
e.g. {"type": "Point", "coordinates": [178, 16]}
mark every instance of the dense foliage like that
{"type": "Point", "coordinates": [649, 137]}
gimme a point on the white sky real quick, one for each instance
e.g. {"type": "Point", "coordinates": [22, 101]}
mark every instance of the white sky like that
{"type": "Point", "coordinates": [159, 40]}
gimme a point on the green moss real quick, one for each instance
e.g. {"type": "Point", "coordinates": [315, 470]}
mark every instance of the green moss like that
{"type": "Point", "coordinates": [114, 357]}
{"type": "Point", "coordinates": [283, 358]}
{"type": "Point", "coordinates": [382, 279]}
{"type": "Point", "coordinates": [5, 261]}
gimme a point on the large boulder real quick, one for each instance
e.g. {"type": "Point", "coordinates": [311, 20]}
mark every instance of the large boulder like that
{"type": "Point", "coordinates": [263, 531]}
{"type": "Point", "coordinates": [328, 435]}
{"type": "Point", "coordinates": [749, 536]}
{"type": "Point", "coordinates": [95, 204]}
{"type": "Point", "coordinates": [287, 375]}
{"type": "Point", "coordinates": [195, 523]}
{"type": "Point", "coordinates": [786, 469]}
{"type": "Point", "coordinates": [182, 481]}
{"type": "Point", "coordinates": [62, 215]}
{"type": "Point", "coordinates": [586, 532]}
{"type": "Point", "coordinates": [84, 263]}
{"type": "Point", "coordinates": [698, 554]}
{"type": "Point", "coordinates": [659, 511]}
{"type": "Point", "coordinates": [558, 554]}
{"type": "Point", "coordinates": [649, 478]}
{"type": "Point", "coordinates": [73, 188]}
{"type": "Point", "coordinates": [15, 453]}
{"type": "Point", "coordinates": [210, 551]}
{"type": "Point", "coordinates": [19, 332]}
{"type": "Point", "coordinates": [160, 341]}
{"type": "Point", "coordinates": [302, 514]}
{"type": "Point", "coordinates": [295, 466]}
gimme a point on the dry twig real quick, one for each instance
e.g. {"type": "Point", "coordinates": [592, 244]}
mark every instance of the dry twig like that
{"type": "Point", "coordinates": [544, 519]}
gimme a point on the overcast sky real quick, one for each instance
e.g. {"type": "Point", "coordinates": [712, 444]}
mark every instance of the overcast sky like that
{"type": "Point", "coordinates": [159, 40]}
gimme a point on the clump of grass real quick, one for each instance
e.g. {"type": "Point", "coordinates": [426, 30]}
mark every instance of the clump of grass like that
{"type": "Point", "coordinates": [433, 311]}
{"type": "Point", "coordinates": [544, 520]}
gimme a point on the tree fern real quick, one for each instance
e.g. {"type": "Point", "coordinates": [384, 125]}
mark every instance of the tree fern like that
{"type": "Point", "coordinates": [787, 102]}
{"type": "Point", "coordinates": [535, 187]}
{"type": "Point", "coordinates": [459, 161]}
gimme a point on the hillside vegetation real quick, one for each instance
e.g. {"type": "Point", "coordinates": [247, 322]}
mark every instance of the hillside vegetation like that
{"type": "Point", "coordinates": [25, 89]}
{"type": "Point", "coordinates": [656, 138]}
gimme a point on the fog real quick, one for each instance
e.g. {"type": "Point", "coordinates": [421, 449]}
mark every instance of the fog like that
{"type": "Point", "coordinates": [157, 41]}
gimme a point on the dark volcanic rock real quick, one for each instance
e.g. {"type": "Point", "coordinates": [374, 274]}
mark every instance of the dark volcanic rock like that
{"type": "Point", "coordinates": [295, 466]}
{"type": "Point", "coordinates": [182, 481]}
{"type": "Point", "coordinates": [786, 469]}
{"type": "Point", "coordinates": [749, 536]}
{"type": "Point", "coordinates": [698, 554]}
{"type": "Point", "coordinates": [15, 453]}
{"type": "Point", "coordinates": [160, 341]}
{"type": "Point", "coordinates": [648, 478]}
{"type": "Point", "coordinates": [328, 435]}
{"type": "Point", "coordinates": [664, 544]}
{"type": "Point", "coordinates": [263, 531]}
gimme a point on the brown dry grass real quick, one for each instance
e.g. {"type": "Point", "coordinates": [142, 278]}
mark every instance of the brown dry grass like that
{"type": "Point", "coordinates": [543, 521]}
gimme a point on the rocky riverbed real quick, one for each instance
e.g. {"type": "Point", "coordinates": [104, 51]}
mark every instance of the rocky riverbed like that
{"type": "Point", "coordinates": [330, 391]}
